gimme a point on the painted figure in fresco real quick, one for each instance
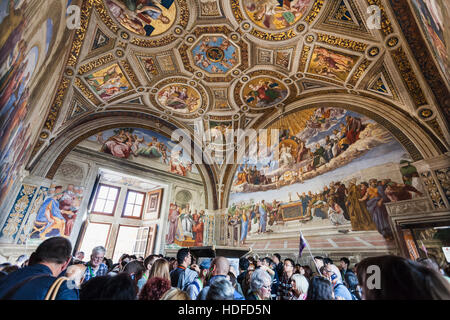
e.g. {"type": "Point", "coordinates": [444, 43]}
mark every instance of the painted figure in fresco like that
{"type": "Point", "coordinates": [177, 97]}
{"type": "Point", "coordinates": [335, 213]}
{"type": "Point", "coordinates": [198, 227]}
{"type": "Point", "coordinates": [375, 204]}
{"type": "Point", "coordinates": [153, 149]}
{"type": "Point", "coordinates": [68, 210]}
{"type": "Point", "coordinates": [118, 145]}
{"type": "Point", "coordinates": [264, 93]}
{"type": "Point", "coordinates": [109, 83]}
{"type": "Point", "coordinates": [263, 210]}
{"type": "Point", "coordinates": [173, 223]}
{"type": "Point", "coordinates": [332, 63]}
{"type": "Point", "coordinates": [176, 163]}
{"type": "Point", "coordinates": [49, 217]}
{"type": "Point", "coordinates": [186, 222]}
{"type": "Point", "coordinates": [359, 216]}
{"type": "Point", "coordinates": [244, 218]}
{"type": "Point", "coordinates": [304, 199]}
{"type": "Point", "coordinates": [399, 192]}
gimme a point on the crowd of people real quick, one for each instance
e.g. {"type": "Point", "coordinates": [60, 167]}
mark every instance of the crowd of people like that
{"type": "Point", "coordinates": [53, 269]}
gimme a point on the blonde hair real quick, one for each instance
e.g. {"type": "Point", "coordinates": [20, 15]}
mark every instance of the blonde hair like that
{"type": "Point", "coordinates": [175, 294]}
{"type": "Point", "coordinates": [301, 283]}
{"type": "Point", "coordinates": [160, 268]}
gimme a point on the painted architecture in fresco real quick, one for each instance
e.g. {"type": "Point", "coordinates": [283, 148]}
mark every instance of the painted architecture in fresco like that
{"type": "Point", "coordinates": [144, 17]}
{"type": "Point", "coordinates": [141, 145]}
{"type": "Point", "coordinates": [335, 168]}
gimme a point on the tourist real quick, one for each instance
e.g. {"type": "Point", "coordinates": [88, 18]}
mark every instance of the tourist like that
{"type": "Point", "coordinates": [51, 258]}
{"type": "Point", "coordinates": [154, 288]}
{"type": "Point", "coordinates": [260, 286]}
{"type": "Point", "coordinates": [175, 294]}
{"type": "Point", "coordinates": [95, 266]}
{"type": "Point", "coordinates": [300, 287]}
{"type": "Point", "coordinates": [412, 280]}
{"type": "Point", "coordinates": [284, 289]}
{"type": "Point", "coordinates": [221, 289]}
{"type": "Point", "coordinates": [319, 289]}
{"type": "Point", "coordinates": [341, 292]}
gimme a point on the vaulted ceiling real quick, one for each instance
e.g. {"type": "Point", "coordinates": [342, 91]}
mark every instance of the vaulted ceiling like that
{"type": "Point", "coordinates": [121, 63]}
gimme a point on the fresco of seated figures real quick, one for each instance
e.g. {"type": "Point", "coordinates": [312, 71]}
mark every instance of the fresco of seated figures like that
{"type": "Point", "coordinates": [275, 14]}
{"type": "Point", "coordinates": [179, 98]}
{"type": "Point", "coordinates": [144, 17]}
{"type": "Point", "coordinates": [334, 168]}
{"type": "Point", "coordinates": [142, 146]}
{"type": "Point", "coordinates": [264, 92]}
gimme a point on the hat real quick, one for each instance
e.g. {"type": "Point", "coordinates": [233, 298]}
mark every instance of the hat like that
{"type": "Point", "coordinates": [206, 264]}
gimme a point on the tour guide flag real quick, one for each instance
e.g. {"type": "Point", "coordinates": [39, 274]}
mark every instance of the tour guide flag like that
{"type": "Point", "coordinates": [301, 245]}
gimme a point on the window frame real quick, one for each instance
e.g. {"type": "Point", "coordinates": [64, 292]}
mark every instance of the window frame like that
{"type": "Point", "coordinates": [126, 202]}
{"type": "Point", "coordinates": [107, 236]}
{"type": "Point", "coordinates": [115, 201]}
{"type": "Point", "coordinates": [117, 236]}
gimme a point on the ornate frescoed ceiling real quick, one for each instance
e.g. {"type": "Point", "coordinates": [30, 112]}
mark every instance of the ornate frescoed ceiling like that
{"type": "Point", "coordinates": [243, 64]}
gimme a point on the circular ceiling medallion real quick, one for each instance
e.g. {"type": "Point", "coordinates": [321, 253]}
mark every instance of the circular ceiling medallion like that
{"type": "Point", "coordinates": [119, 53]}
{"type": "Point", "coordinates": [392, 42]}
{"type": "Point", "coordinates": [145, 18]}
{"type": "Point", "coordinates": [215, 54]}
{"type": "Point", "coordinates": [275, 15]}
{"type": "Point", "coordinates": [373, 51]}
{"type": "Point", "coordinates": [125, 35]}
{"type": "Point", "coordinates": [425, 113]}
{"type": "Point", "coordinates": [179, 98]}
{"type": "Point", "coordinates": [264, 92]}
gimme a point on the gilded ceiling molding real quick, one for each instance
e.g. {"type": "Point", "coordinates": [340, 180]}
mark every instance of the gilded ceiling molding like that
{"type": "Point", "coordinates": [359, 71]}
{"type": "Point", "coordinates": [103, 13]}
{"type": "Point", "coordinates": [95, 64]}
{"type": "Point", "coordinates": [314, 11]}
{"type": "Point", "coordinates": [280, 36]}
{"type": "Point", "coordinates": [86, 91]}
{"type": "Point", "coordinates": [341, 42]}
{"type": "Point", "coordinates": [130, 73]}
{"type": "Point", "coordinates": [386, 25]}
{"type": "Point", "coordinates": [409, 77]}
{"type": "Point", "coordinates": [304, 58]}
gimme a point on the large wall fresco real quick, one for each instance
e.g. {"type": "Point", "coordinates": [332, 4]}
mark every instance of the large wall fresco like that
{"type": "Point", "coordinates": [143, 146]}
{"type": "Point", "coordinates": [335, 168]}
{"type": "Point", "coordinates": [18, 61]}
{"type": "Point", "coordinates": [431, 15]}
{"type": "Point", "coordinates": [186, 226]}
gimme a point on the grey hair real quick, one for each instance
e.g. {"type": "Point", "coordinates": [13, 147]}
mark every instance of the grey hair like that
{"type": "Point", "coordinates": [258, 278]}
{"type": "Point", "coordinates": [220, 290]}
{"type": "Point", "coordinates": [301, 283]}
{"type": "Point", "coordinates": [99, 249]}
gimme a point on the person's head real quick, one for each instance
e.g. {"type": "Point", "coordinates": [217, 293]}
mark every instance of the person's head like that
{"type": "Point", "coordinates": [308, 272]}
{"type": "Point", "coordinates": [154, 288]}
{"type": "Point", "coordinates": [400, 279]}
{"type": "Point", "coordinates": [56, 253]}
{"type": "Point", "coordinates": [318, 261]}
{"type": "Point", "coordinates": [184, 257]}
{"type": "Point", "coordinates": [108, 263]}
{"type": "Point", "coordinates": [79, 255]}
{"type": "Point", "coordinates": [135, 269]}
{"type": "Point", "coordinates": [266, 261]}
{"type": "Point", "coordinates": [119, 287]}
{"type": "Point", "coordinates": [220, 290]}
{"type": "Point", "coordinates": [260, 283]}
{"type": "Point", "coordinates": [276, 258]}
{"type": "Point", "coordinates": [319, 289]}
{"type": "Point", "coordinates": [92, 289]}
{"type": "Point", "coordinates": [344, 263]}
{"type": "Point", "coordinates": [175, 294]}
{"type": "Point", "coordinates": [327, 261]}
{"type": "Point", "coordinates": [220, 266]}
{"type": "Point", "coordinates": [148, 262]}
{"type": "Point", "coordinates": [243, 264]}
{"type": "Point", "coordinates": [97, 255]}
{"type": "Point", "coordinates": [160, 269]}
{"type": "Point", "coordinates": [289, 266]}
{"type": "Point", "coordinates": [300, 283]}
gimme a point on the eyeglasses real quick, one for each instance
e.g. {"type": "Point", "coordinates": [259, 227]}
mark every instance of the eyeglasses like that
{"type": "Point", "coordinates": [98, 258]}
